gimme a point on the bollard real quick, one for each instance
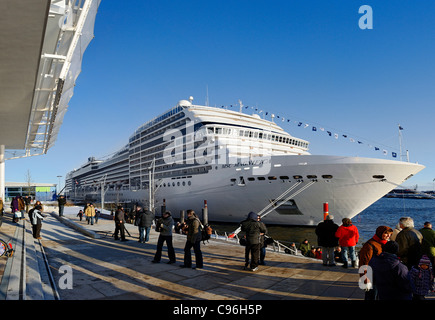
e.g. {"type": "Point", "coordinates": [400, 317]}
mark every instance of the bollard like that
{"type": "Point", "coordinates": [181, 216]}
{"type": "Point", "coordinates": [205, 213]}
{"type": "Point", "coordinates": [325, 210]}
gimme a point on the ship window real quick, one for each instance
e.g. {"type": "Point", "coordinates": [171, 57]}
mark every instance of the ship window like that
{"type": "Point", "coordinates": [261, 178]}
{"type": "Point", "coordinates": [327, 176]}
{"type": "Point", "coordinates": [260, 135]}
{"type": "Point", "coordinates": [210, 130]}
{"type": "Point", "coordinates": [297, 177]}
{"type": "Point", "coordinates": [311, 176]}
{"type": "Point", "coordinates": [284, 177]}
{"type": "Point", "coordinates": [241, 133]}
{"type": "Point", "coordinates": [218, 130]}
{"type": "Point", "coordinates": [241, 181]}
{"type": "Point", "coordinates": [251, 179]}
{"type": "Point", "coordinates": [189, 183]}
{"type": "Point", "coordinates": [271, 178]}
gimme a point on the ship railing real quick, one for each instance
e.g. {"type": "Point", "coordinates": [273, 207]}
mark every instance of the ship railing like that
{"type": "Point", "coordinates": [276, 246]}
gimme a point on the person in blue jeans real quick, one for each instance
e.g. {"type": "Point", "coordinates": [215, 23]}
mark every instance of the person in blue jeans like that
{"type": "Point", "coordinates": [348, 237]}
{"type": "Point", "coordinates": [143, 219]}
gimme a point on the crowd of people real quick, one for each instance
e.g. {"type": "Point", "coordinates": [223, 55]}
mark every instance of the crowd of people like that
{"type": "Point", "coordinates": [143, 219]}
{"type": "Point", "coordinates": [395, 264]}
{"type": "Point", "coordinates": [21, 205]}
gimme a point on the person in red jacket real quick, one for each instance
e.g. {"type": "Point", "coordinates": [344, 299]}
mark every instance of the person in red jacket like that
{"type": "Point", "coordinates": [348, 237]}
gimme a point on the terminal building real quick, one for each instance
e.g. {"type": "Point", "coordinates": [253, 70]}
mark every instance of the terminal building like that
{"type": "Point", "coordinates": [37, 191]}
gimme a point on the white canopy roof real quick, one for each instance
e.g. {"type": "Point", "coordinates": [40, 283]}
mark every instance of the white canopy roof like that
{"type": "Point", "coordinates": [41, 49]}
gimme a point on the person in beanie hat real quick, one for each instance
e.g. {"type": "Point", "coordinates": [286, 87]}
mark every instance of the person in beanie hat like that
{"type": "Point", "coordinates": [253, 229]}
{"type": "Point", "coordinates": [421, 279]}
{"type": "Point", "coordinates": [390, 275]}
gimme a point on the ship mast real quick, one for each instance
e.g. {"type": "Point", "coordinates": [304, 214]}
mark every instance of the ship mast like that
{"type": "Point", "coordinates": [400, 145]}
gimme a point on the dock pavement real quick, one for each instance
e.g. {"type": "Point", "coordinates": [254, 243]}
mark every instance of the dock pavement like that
{"type": "Point", "coordinates": [87, 263]}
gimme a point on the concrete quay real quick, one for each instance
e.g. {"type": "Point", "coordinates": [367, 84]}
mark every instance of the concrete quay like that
{"type": "Point", "coordinates": [93, 266]}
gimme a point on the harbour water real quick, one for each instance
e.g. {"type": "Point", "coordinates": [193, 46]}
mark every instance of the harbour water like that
{"type": "Point", "coordinates": [386, 211]}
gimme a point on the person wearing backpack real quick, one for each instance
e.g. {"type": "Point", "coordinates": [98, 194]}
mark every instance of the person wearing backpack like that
{"type": "Point", "coordinates": [194, 236]}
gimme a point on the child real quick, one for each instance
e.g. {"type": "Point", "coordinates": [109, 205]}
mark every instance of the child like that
{"type": "Point", "coordinates": [80, 215]}
{"type": "Point", "coordinates": [421, 278]}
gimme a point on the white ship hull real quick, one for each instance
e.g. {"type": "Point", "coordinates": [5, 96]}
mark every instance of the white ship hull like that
{"type": "Point", "coordinates": [348, 184]}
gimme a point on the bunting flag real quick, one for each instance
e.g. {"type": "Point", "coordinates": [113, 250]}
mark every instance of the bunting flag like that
{"type": "Point", "coordinates": [319, 129]}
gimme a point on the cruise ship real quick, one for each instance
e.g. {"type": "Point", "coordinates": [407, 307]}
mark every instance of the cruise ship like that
{"type": "Point", "coordinates": [194, 155]}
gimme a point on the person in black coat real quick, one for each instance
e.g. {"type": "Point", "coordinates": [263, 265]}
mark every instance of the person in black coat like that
{"type": "Point", "coordinates": [254, 230]}
{"type": "Point", "coordinates": [390, 275]}
{"type": "Point", "coordinates": [61, 201]}
{"type": "Point", "coordinates": [120, 223]}
{"type": "Point", "coordinates": [325, 232]}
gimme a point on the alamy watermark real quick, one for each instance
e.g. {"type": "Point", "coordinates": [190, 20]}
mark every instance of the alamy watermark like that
{"type": "Point", "coordinates": [366, 20]}
{"type": "Point", "coordinates": [66, 280]}
{"type": "Point", "coordinates": [365, 282]}
{"type": "Point", "coordinates": [223, 146]}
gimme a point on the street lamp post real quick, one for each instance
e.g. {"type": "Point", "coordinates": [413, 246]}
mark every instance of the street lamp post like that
{"type": "Point", "coordinates": [59, 184]}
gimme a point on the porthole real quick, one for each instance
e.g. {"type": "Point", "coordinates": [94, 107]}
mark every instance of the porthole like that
{"type": "Point", "coordinates": [271, 178]}
{"type": "Point", "coordinates": [379, 176]}
{"type": "Point", "coordinates": [327, 176]}
{"type": "Point", "coordinates": [284, 177]}
{"type": "Point", "coordinates": [311, 176]}
{"type": "Point", "coordinates": [297, 177]}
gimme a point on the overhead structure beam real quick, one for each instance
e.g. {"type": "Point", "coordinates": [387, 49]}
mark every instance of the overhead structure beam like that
{"type": "Point", "coordinates": [52, 35]}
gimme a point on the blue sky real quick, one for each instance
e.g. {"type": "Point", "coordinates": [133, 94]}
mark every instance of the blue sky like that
{"type": "Point", "coordinates": [306, 61]}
